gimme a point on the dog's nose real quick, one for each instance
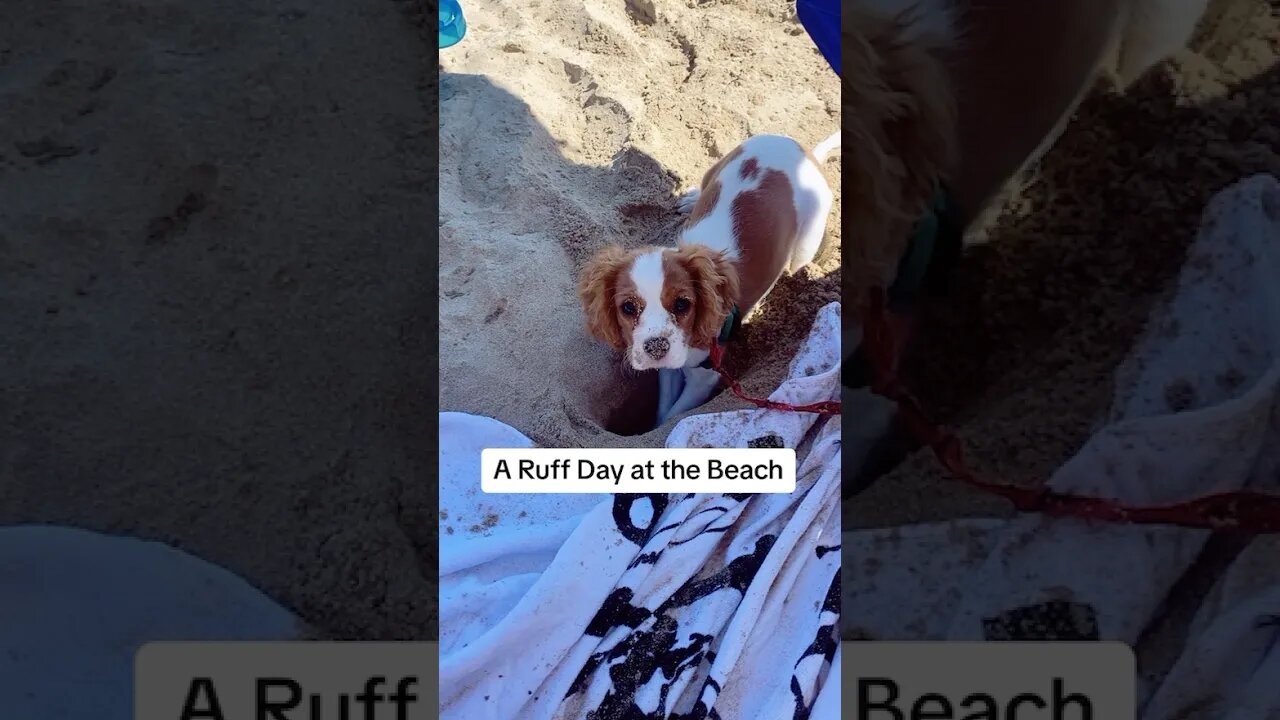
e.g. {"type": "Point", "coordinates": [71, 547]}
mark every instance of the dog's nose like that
{"type": "Point", "coordinates": [657, 347]}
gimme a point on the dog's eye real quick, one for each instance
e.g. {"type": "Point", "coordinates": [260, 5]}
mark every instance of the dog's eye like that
{"type": "Point", "coordinates": [628, 308]}
{"type": "Point", "coordinates": [681, 306]}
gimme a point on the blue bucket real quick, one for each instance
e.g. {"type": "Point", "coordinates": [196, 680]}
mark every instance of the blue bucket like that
{"type": "Point", "coordinates": [452, 25]}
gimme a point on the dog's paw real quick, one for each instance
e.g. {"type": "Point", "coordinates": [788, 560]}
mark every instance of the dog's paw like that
{"type": "Point", "coordinates": [687, 201]}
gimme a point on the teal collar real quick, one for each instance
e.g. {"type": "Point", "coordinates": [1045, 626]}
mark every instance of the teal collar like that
{"type": "Point", "coordinates": [935, 244]}
{"type": "Point", "coordinates": [726, 330]}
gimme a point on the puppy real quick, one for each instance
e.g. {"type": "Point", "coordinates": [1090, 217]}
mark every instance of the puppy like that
{"type": "Point", "coordinates": [759, 212]}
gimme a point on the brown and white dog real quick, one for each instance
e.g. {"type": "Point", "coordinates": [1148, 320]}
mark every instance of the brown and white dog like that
{"type": "Point", "coordinates": [970, 93]}
{"type": "Point", "coordinates": [760, 211]}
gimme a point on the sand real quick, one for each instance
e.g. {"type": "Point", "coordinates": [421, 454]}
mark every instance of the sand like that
{"type": "Point", "coordinates": [215, 304]}
{"type": "Point", "coordinates": [213, 322]}
{"type": "Point", "coordinates": [569, 125]}
{"type": "Point", "coordinates": [216, 329]}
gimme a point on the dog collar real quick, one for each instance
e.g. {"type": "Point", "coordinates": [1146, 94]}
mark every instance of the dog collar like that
{"type": "Point", "coordinates": [726, 330]}
{"type": "Point", "coordinates": [935, 246]}
{"type": "Point", "coordinates": [936, 242]}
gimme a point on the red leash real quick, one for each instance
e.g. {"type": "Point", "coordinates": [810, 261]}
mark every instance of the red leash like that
{"type": "Point", "coordinates": [1241, 511]}
{"type": "Point", "coordinates": [827, 407]}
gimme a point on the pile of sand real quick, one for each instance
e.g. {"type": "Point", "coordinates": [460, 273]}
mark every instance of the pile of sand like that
{"type": "Point", "coordinates": [567, 125]}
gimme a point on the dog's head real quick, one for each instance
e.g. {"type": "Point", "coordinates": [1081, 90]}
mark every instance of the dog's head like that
{"type": "Point", "coordinates": [656, 304]}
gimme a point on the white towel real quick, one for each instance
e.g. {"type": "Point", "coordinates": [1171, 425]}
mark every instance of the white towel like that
{"type": "Point", "coordinates": [648, 606]}
{"type": "Point", "coordinates": [1196, 411]}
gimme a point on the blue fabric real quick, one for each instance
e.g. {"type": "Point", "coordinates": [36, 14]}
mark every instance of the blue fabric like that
{"type": "Point", "coordinates": [821, 19]}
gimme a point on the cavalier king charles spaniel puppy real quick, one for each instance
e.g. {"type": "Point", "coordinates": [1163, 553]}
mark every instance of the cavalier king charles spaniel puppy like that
{"type": "Point", "coordinates": [760, 211]}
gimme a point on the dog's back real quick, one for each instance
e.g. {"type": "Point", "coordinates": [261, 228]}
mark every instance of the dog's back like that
{"type": "Point", "coordinates": [764, 205]}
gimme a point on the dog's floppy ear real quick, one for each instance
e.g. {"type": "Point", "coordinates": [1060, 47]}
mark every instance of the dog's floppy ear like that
{"type": "Point", "coordinates": [898, 106]}
{"type": "Point", "coordinates": [596, 288]}
{"type": "Point", "coordinates": [715, 286]}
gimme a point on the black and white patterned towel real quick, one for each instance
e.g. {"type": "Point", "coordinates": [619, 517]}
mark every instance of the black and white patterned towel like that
{"type": "Point", "coordinates": [694, 606]}
{"type": "Point", "coordinates": [1196, 411]}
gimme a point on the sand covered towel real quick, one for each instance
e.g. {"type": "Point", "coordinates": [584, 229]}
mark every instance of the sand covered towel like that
{"type": "Point", "coordinates": [653, 606]}
{"type": "Point", "coordinates": [1213, 353]}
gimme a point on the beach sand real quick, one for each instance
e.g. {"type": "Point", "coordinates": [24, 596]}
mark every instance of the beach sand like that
{"type": "Point", "coordinates": [213, 319]}
{"type": "Point", "coordinates": [224, 205]}
{"type": "Point", "coordinates": [570, 125]}
{"type": "Point", "coordinates": [214, 301]}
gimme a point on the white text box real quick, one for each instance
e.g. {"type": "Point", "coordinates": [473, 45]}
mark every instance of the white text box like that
{"type": "Point", "coordinates": [636, 470]}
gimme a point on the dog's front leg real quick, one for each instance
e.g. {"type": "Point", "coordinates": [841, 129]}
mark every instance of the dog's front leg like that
{"type": "Point", "coordinates": [686, 201]}
{"type": "Point", "coordinates": [670, 386]}
{"type": "Point", "coordinates": [697, 385]}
